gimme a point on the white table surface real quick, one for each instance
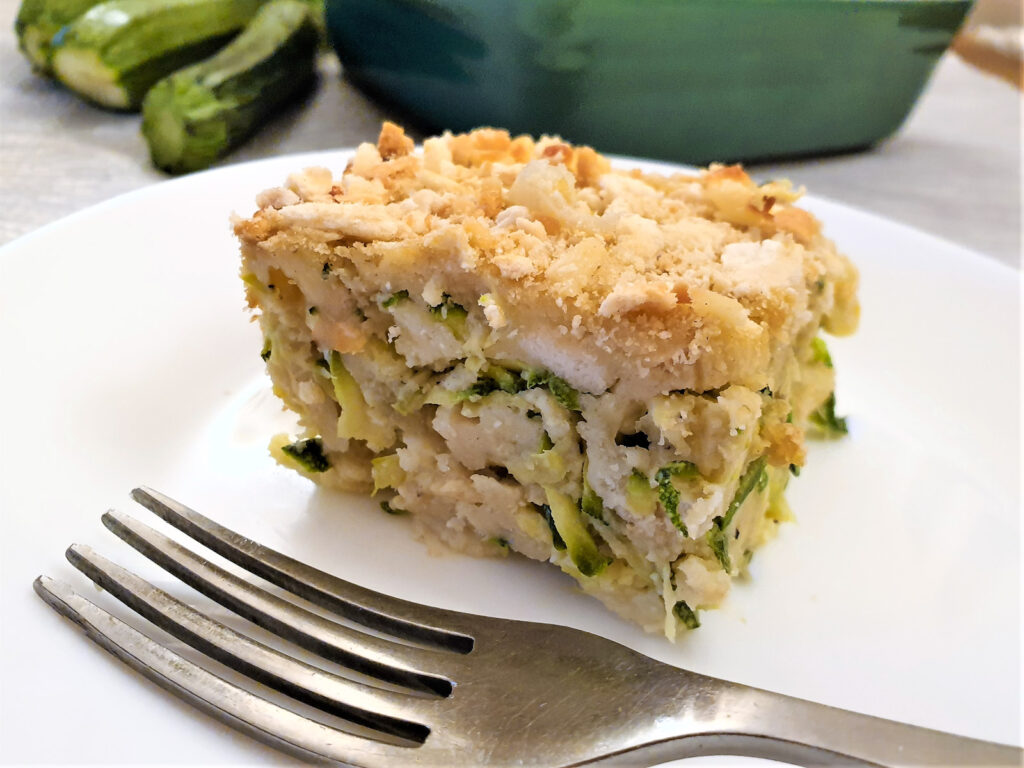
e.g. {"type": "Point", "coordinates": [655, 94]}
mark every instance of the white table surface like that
{"type": "Point", "coordinates": [954, 170]}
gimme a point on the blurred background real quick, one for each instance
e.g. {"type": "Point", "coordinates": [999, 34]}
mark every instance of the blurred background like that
{"type": "Point", "coordinates": [894, 106]}
{"type": "Point", "coordinates": [993, 39]}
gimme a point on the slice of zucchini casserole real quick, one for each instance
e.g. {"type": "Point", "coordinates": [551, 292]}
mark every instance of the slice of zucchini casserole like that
{"type": "Point", "coordinates": [526, 350]}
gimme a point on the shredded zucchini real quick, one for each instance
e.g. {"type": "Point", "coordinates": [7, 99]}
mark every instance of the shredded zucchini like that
{"type": "Point", "coordinates": [668, 494]}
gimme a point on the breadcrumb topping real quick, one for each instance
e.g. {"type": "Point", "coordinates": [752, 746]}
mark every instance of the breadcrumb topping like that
{"type": "Point", "coordinates": [663, 270]}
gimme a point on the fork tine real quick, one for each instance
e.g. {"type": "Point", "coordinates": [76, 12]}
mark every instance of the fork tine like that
{"type": "Point", "coordinates": [392, 713]}
{"type": "Point", "coordinates": [258, 717]}
{"type": "Point", "coordinates": [382, 659]}
{"type": "Point", "coordinates": [397, 617]}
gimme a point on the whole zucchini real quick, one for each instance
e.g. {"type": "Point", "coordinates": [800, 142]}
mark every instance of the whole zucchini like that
{"type": "Point", "coordinates": [39, 20]}
{"type": "Point", "coordinates": [118, 49]}
{"type": "Point", "coordinates": [200, 113]}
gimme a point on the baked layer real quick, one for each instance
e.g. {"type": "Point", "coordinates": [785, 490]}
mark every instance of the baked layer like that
{"type": "Point", "coordinates": [689, 281]}
{"type": "Point", "coordinates": [608, 370]}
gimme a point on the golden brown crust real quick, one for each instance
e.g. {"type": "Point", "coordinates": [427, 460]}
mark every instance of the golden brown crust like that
{"type": "Point", "coordinates": [393, 142]}
{"type": "Point", "coordinates": [650, 274]}
{"type": "Point", "coordinates": [785, 444]}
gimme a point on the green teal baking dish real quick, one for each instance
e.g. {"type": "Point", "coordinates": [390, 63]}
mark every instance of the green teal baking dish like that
{"type": "Point", "coordinates": [685, 80]}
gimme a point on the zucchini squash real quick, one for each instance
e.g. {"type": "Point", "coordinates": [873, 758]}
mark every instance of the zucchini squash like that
{"type": "Point", "coordinates": [200, 113]}
{"type": "Point", "coordinates": [38, 21]}
{"type": "Point", "coordinates": [115, 52]}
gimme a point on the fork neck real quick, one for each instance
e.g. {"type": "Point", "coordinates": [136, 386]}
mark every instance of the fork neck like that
{"type": "Point", "coordinates": [714, 717]}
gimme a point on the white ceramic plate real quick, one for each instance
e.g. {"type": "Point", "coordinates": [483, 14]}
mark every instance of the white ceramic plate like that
{"type": "Point", "coordinates": [128, 359]}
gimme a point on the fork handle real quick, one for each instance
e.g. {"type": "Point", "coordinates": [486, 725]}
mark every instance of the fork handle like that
{"type": "Point", "coordinates": [757, 723]}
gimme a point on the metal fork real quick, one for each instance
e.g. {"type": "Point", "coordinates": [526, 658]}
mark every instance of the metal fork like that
{"type": "Point", "coordinates": [464, 690]}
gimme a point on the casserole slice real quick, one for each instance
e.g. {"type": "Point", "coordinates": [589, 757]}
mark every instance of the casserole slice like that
{"type": "Point", "coordinates": [529, 351]}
